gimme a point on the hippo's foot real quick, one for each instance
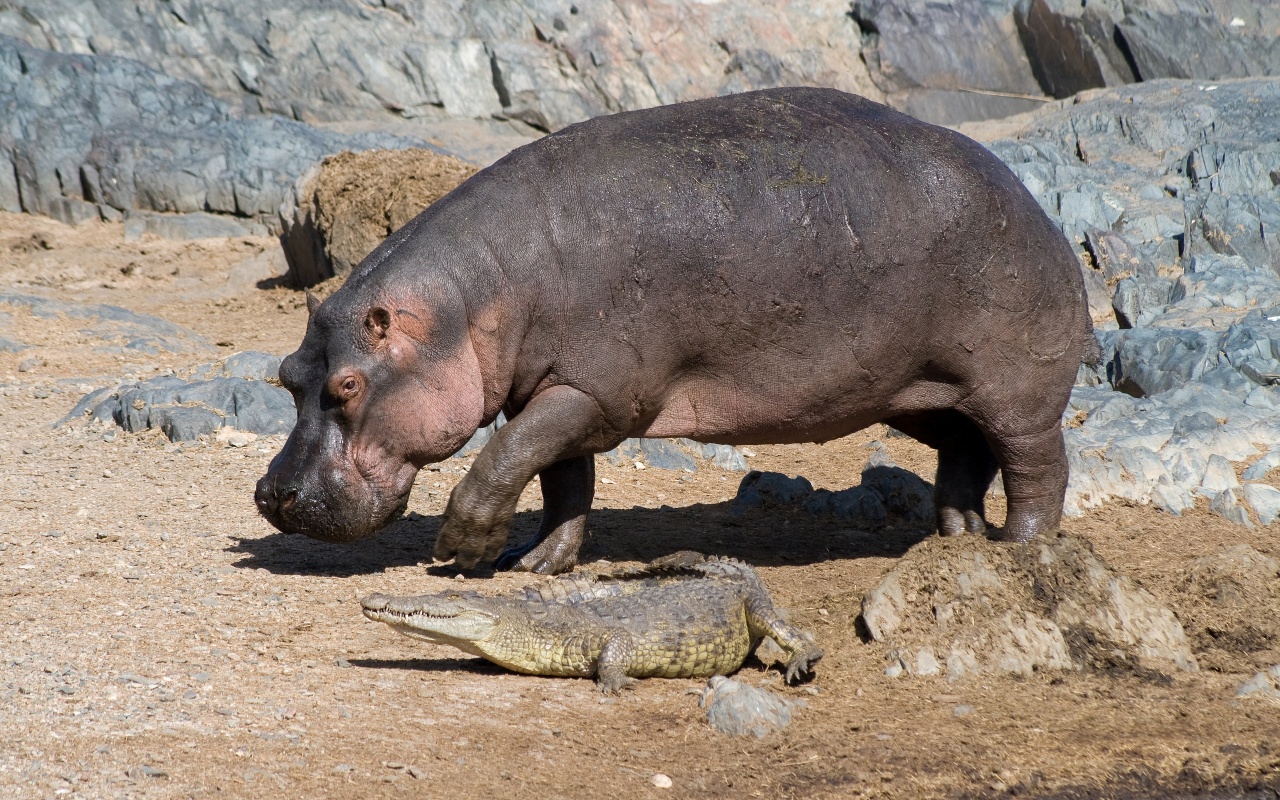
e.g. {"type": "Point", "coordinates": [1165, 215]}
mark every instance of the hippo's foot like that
{"type": "Point", "coordinates": [473, 532]}
{"type": "Point", "coordinates": [545, 555]}
{"type": "Point", "coordinates": [567, 487]}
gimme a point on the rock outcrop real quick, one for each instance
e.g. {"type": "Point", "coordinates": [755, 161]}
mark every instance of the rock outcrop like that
{"type": "Point", "coordinates": [1171, 192]}
{"type": "Point", "coordinates": [546, 62]}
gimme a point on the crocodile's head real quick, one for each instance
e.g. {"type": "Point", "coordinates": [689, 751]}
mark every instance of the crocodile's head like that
{"type": "Point", "coordinates": [447, 618]}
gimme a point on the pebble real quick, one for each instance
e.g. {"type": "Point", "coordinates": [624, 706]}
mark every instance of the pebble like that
{"type": "Point", "coordinates": [661, 780]}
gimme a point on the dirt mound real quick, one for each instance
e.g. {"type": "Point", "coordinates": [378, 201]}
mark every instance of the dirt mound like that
{"type": "Point", "coordinates": [1229, 604]}
{"type": "Point", "coordinates": [966, 605]}
{"type": "Point", "coordinates": [350, 202]}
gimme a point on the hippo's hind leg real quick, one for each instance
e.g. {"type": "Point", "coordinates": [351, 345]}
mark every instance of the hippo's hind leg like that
{"type": "Point", "coordinates": [966, 467]}
{"type": "Point", "coordinates": [567, 490]}
{"type": "Point", "coordinates": [1034, 468]}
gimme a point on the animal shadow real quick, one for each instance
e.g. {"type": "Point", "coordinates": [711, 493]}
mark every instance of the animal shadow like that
{"type": "Point", "coordinates": [763, 537]}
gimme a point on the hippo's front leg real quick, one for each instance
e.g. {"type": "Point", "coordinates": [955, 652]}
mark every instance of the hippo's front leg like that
{"type": "Point", "coordinates": [558, 426]}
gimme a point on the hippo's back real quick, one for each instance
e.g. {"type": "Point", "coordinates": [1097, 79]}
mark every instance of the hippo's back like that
{"type": "Point", "coordinates": [710, 252]}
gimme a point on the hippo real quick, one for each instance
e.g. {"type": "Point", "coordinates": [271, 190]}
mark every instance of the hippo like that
{"type": "Point", "coordinates": [787, 265]}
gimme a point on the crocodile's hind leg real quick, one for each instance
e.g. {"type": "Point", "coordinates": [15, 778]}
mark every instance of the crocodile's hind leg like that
{"type": "Point", "coordinates": [615, 663]}
{"type": "Point", "coordinates": [763, 620]}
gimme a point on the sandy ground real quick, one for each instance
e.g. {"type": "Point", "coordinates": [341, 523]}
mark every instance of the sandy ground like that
{"type": "Point", "coordinates": [159, 639]}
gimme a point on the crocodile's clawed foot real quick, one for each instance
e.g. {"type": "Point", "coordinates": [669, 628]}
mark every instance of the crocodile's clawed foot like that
{"type": "Point", "coordinates": [615, 684]}
{"type": "Point", "coordinates": [801, 665]}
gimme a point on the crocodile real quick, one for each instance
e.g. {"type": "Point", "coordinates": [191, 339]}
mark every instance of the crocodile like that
{"type": "Point", "coordinates": [679, 617]}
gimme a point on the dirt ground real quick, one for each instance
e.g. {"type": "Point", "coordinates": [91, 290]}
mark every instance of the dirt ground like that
{"type": "Point", "coordinates": [159, 639]}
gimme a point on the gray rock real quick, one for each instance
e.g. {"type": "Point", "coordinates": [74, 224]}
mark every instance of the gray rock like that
{"type": "Point", "coordinates": [344, 61]}
{"type": "Point", "coordinates": [70, 211]}
{"type": "Point", "coordinates": [857, 504]}
{"type": "Point", "coordinates": [903, 492]}
{"type": "Point", "coordinates": [231, 393]}
{"type": "Point", "coordinates": [1139, 301]}
{"type": "Point", "coordinates": [1263, 466]}
{"type": "Point", "coordinates": [1264, 500]}
{"type": "Point", "coordinates": [115, 329]}
{"type": "Point", "coordinates": [738, 709]}
{"type": "Point", "coordinates": [910, 48]}
{"type": "Point", "coordinates": [1180, 40]}
{"type": "Point", "coordinates": [1072, 46]}
{"type": "Point", "coordinates": [89, 131]}
{"type": "Point", "coordinates": [666, 454]}
{"type": "Point", "coordinates": [1219, 476]}
{"type": "Point", "coordinates": [198, 225]}
{"type": "Point", "coordinates": [184, 424]}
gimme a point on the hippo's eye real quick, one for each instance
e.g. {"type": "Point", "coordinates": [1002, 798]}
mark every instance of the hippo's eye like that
{"type": "Point", "coordinates": [345, 388]}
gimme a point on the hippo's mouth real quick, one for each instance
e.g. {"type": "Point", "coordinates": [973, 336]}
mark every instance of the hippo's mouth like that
{"type": "Point", "coordinates": [332, 516]}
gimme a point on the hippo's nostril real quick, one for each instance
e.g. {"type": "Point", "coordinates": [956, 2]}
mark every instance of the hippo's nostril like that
{"type": "Point", "coordinates": [289, 499]}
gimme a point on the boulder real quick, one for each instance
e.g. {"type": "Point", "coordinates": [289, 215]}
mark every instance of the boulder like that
{"type": "Point", "coordinates": [350, 202]}
{"type": "Point", "coordinates": [237, 392]}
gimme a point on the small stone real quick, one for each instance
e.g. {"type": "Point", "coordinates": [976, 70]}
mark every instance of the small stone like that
{"type": "Point", "coordinates": [109, 436]}
{"type": "Point", "coordinates": [415, 772]}
{"type": "Point", "coordinates": [661, 780]}
{"type": "Point", "coordinates": [1259, 684]}
{"type": "Point", "coordinates": [962, 710]}
{"type": "Point", "coordinates": [1227, 505]}
{"type": "Point", "coordinates": [28, 364]}
{"type": "Point", "coordinates": [235, 438]}
{"type": "Point", "coordinates": [342, 662]}
{"type": "Point", "coordinates": [893, 670]}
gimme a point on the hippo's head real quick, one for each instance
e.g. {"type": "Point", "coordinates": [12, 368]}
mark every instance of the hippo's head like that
{"type": "Point", "coordinates": [386, 381]}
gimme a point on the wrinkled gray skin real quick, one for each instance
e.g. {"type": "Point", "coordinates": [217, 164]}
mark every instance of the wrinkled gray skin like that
{"type": "Point", "coordinates": [780, 266]}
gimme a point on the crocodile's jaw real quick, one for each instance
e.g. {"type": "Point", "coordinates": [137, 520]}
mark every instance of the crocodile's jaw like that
{"type": "Point", "coordinates": [433, 618]}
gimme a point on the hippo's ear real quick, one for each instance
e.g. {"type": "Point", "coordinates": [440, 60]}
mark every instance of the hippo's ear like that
{"type": "Point", "coordinates": [313, 303]}
{"type": "Point", "coordinates": [376, 323]}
